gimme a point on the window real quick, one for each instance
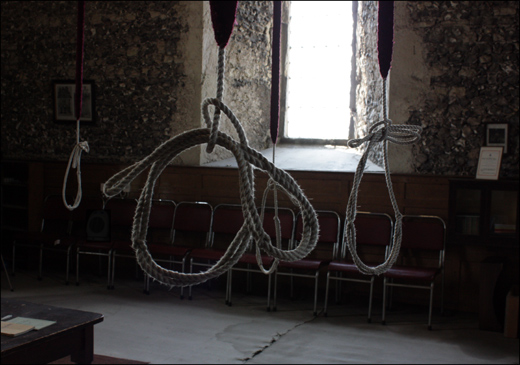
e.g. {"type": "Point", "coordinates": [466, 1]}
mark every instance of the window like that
{"type": "Point", "coordinates": [319, 70]}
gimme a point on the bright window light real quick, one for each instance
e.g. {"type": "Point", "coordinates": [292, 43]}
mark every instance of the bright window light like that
{"type": "Point", "coordinates": [318, 85]}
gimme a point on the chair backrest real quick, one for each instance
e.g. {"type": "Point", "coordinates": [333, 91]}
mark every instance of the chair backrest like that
{"type": "Point", "coordinates": [193, 217]}
{"type": "Point", "coordinates": [160, 224]}
{"type": "Point", "coordinates": [56, 217]}
{"type": "Point", "coordinates": [330, 230]}
{"type": "Point", "coordinates": [372, 229]}
{"type": "Point", "coordinates": [122, 213]}
{"type": "Point", "coordinates": [423, 232]}
{"type": "Point", "coordinates": [227, 221]}
{"type": "Point", "coordinates": [227, 218]}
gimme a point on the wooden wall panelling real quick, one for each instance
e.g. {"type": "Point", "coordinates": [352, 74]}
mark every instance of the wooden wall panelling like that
{"type": "Point", "coordinates": [326, 190]}
{"type": "Point", "coordinates": [428, 196]}
{"type": "Point", "coordinates": [179, 184]}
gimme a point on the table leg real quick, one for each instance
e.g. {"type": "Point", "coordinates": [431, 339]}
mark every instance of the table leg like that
{"type": "Point", "coordinates": [85, 354]}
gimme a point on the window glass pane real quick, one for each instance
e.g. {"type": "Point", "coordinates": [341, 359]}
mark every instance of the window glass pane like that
{"type": "Point", "coordinates": [320, 51]}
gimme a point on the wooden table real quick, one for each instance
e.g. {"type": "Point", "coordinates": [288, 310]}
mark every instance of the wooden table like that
{"type": "Point", "coordinates": [72, 334]}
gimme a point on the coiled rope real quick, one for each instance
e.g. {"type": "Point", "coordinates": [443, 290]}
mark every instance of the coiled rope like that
{"type": "Point", "coordinates": [380, 132]}
{"type": "Point", "coordinates": [252, 228]}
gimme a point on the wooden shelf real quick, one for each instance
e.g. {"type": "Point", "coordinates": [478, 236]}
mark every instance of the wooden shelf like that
{"type": "Point", "coordinates": [483, 212]}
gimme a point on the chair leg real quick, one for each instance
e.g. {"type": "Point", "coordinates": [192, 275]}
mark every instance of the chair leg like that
{"type": "Point", "coordinates": [326, 294]}
{"type": "Point", "coordinates": [292, 285]}
{"type": "Point", "coordinates": [191, 271]}
{"type": "Point", "coordinates": [431, 308]}
{"type": "Point", "coordinates": [370, 299]}
{"type": "Point", "coordinates": [383, 321]}
{"type": "Point", "coordinates": [146, 288]}
{"type": "Point", "coordinates": [316, 276]}
{"type": "Point", "coordinates": [275, 290]}
{"type": "Point", "coordinates": [12, 269]}
{"type": "Point", "coordinates": [40, 264]}
{"type": "Point", "coordinates": [77, 266]}
{"type": "Point", "coordinates": [269, 292]}
{"type": "Point", "coordinates": [182, 268]}
{"type": "Point", "coordinates": [229, 286]}
{"type": "Point", "coordinates": [68, 266]}
{"type": "Point", "coordinates": [111, 259]}
{"type": "Point", "coordinates": [6, 274]}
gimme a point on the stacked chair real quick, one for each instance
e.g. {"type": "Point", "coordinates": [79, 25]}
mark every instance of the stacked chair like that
{"type": "Point", "coordinates": [420, 233]}
{"type": "Point", "coordinates": [97, 242]}
{"type": "Point", "coordinates": [372, 230]}
{"type": "Point", "coordinates": [54, 235]}
{"type": "Point", "coordinates": [311, 266]}
{"type": "Point", "coordinates": [191, 232]}
{"type": "Point", "coordinates": [194, 217]}
{"type": "Point", "coordinates": [248, 261]}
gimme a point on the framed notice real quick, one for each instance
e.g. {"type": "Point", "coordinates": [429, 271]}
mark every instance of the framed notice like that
{"type": "Point", "coordinates": [64, 101]}
{"type": "Point", "coordinates": [489, 163]}
{"type": "Point", "coordinates": [496, 135]}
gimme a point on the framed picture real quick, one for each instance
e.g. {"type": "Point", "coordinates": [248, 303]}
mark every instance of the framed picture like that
{"type": "Point", "coordinates": [64, 111]}
{"type": "Point", "coordinates": [489, 163]}
{"type": "Point", "coordinates": [496, 136]}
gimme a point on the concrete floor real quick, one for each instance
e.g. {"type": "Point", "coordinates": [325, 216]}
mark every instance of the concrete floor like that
{"type": "Point", "coordinates": [160, 328]}
{"type": "Point", "coordinates": [310, 158]}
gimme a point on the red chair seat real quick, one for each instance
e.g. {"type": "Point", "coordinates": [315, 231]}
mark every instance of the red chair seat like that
{"type": "Point", "coordinates": [304, 264]}
{"type": "Point", "coordinates": [347, 267]}
{"type": "Point", "coordinates": [343, 266]}
{"type": "Point", "coordinates": [412, 273]}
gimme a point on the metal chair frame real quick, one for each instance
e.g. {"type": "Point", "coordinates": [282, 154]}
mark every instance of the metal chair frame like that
{"type": "Point", "coordinates": [121, 219]}
{"type": "Point", "coordinates": [315, 264]}
{"type": "Point", "coordinates": [343, 266]}
{"type": "Point", "coordinates": [249, 258]}
{"type": "Point", "coordinates": [407, 243]}
{"type": "Point", "coordinates": [53, 210]}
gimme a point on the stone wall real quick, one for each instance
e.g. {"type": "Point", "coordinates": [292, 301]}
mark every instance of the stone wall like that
{"type": "Point", "coordinates": [369, 84]}
{"type": "Point", "coordinates": [471, 52]}
{"type": "Point", "coordinates": [150, 66]}
{"type": "Point", "coordinates": [247, 82]}
{"type": "Point", "coordinates": [454, 70]}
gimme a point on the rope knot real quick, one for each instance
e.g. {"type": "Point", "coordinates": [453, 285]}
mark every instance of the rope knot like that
{"type": "Point", "coordinates": [76, 152]}
{"type": "Point", "coordinates": [386, 131]}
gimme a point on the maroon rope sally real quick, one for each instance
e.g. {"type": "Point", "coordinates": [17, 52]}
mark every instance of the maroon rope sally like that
{"type": "Point", "coordinates": [275, 71]}
{"type": "Point", "coordinates": [80, 36]}
{"type": "Point", "coordinates": [385, 36]}
{"type": "Point", "coordinates": [380, 132]}
{"type": "Point", "coordinates": [79, 147]}
{"type": "Point", "coordinates": [223, 19]}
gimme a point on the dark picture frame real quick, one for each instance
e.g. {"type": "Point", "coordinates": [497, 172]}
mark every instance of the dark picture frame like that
{"type": "Point", "coordinates": [63, 101]}
{"type": "Point", "coordinates": [496, 135]}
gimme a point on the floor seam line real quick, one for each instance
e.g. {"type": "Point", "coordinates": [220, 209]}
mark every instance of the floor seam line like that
{"type": "Point", "coordinates": [275, 338]}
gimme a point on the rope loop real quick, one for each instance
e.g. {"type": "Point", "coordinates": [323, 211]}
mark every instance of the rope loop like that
{"type": "Point", "coordinates": [380, 132]}
{"type": "Point", "coordinates": [75, 163]}
{"type": "Point", "coordinates": [252, 229]}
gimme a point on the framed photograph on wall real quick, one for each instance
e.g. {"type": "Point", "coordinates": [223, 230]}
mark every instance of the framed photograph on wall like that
{"type": "Point", "coordinates": [496, 135]}
{"type": "Point", "coordinates": [489, 163]}
{"type": "Point", "coordinates": [63, 97]}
